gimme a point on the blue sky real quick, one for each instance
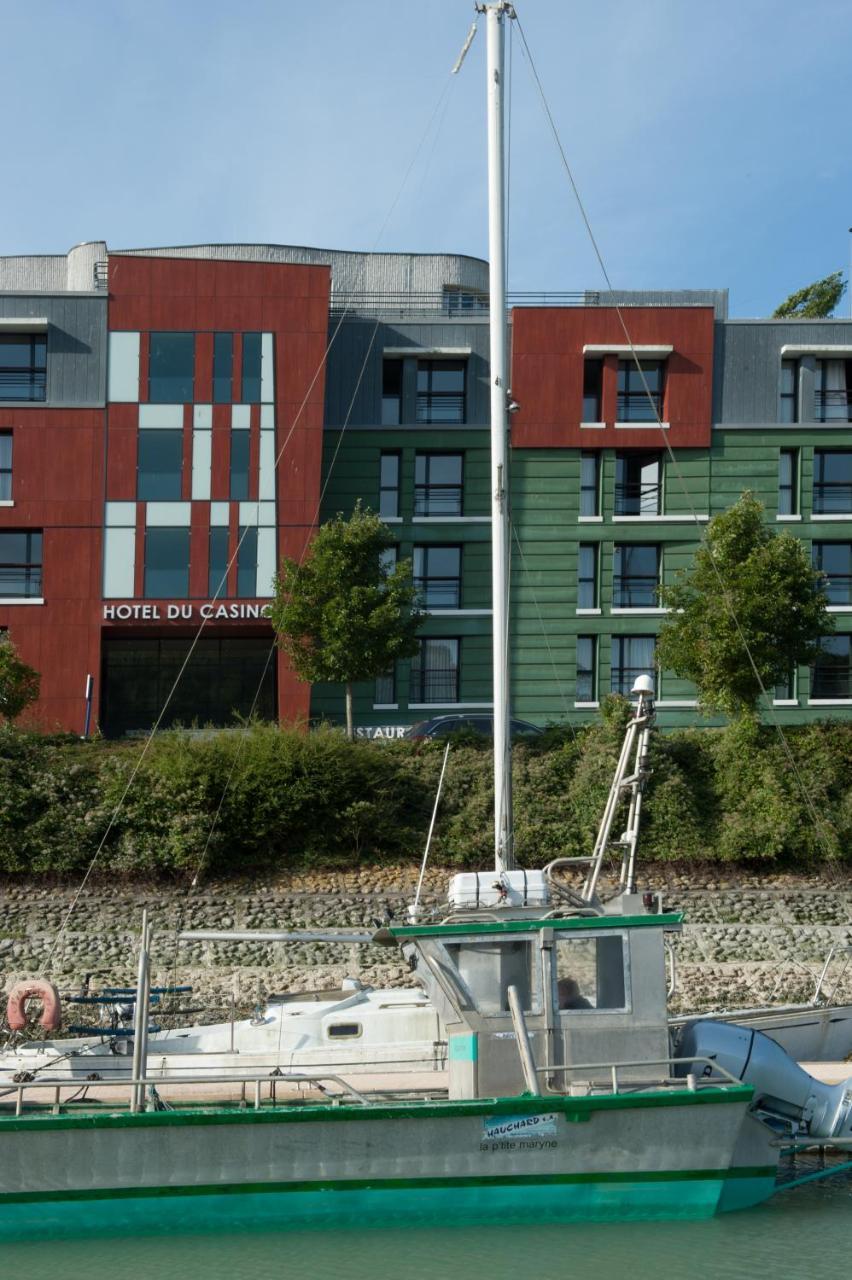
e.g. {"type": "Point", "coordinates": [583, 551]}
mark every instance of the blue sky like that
{"type": "Point", "coordinates": [710, 142]}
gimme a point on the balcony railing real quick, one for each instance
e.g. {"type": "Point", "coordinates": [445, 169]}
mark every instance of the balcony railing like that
{"type": "Point", "coordinates": [20, 580]}
{"type": "Point", "coordinates": [437, 500]}
{"type": "Point", "coordinates": [23, 384]}
{"type": "Point", "coordinates": [438, 593]}
{"type": "Point", "coordinates": [435, 406]}
{"type": "Point", "coordinates": [831, 681]}
{"type": "Point", "coordinates": [833, 406]}
{"type": "Point", "coordinates": [636, 406]}
{"type": "Point", "coordinates": [451, 303]}
{"type": "Point", "coordinates": [636, 499]}
{"type": "Point", "coordinates": [624, 678]}
{"type": "Point", "coordinates": [833, 497]}
{"type": "Point", "coordinates": [434, 686]}
{"type": "Point", "coordinates": [637, 592]}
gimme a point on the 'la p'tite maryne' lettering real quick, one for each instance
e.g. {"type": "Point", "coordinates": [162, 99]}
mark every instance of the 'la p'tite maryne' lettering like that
{"type": "Point", "coordinates": [182, 612]}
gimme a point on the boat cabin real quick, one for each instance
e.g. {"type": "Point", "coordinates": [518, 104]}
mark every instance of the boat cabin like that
{"type": "Point", "coordinates": [592, 990]}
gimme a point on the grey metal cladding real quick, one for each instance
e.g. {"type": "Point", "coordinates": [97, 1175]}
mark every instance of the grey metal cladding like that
{"type": "Point", "coordinates": [76, 343]}
{"type": "Point", "coordinates": [715, 298]}
{"type": "Point", "coordinates": [748, 364]}
{"type": "Point", "coordinates": [360, 345]}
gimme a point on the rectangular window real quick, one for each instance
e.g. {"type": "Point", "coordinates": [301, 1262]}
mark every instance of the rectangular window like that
{"type": "Point", "coordinates": [789, 388]}
{"type": "Point", "coordinates": [441, 390]}
{"type": "Point", "coordinates": [592, 384]}
{"type": "Point", "coordinates": [166, 564]}
{"type": "Point", "coordinates": [435, 672]}
{"type": "Point", "coordinates": [786, 690]}
{"type": "Point", "coordinates": [240, 442]}
{"type": "Point", "coordinates": [159, 468]}
{"type": "Point", "coordinates": [223, 367]}
{"type": "Point", "coordinates": [437, 576]}
{"type": "Point", "coordinates": [23, 366]}
{"type": "Point", "coordinates": [831, 676]}
{"type": "Point", "coordinates": [389, 485]}
{"type": "Point", "coordinates": [788, 482]}
{"type": "Point", "coordinates": [832, 482]}
{"type": "Point", "coordinates": [590, 484]}
{"type": "Point", "coordinates": [247, 562]}
{"type": "Point", "coordinates": [587, 576]}
{"type": "Point", "coordinates": [834, 559]}
{"type": "Point", "coordinates": [640, 395]}
{"type": "Point", "coordinates": [391, 393]}
{"type": "Point", "coordinates": [388, 557]}
{"type": "Point", "coordinates": [20, 563]}
{"type": "Point", "coordinates": [438, 481]}
{"type": "Point", "coordinates": [632, 656]}
{"type": "Point", "coordinates": [833, 391]}
{"type": "Point", "coordinates": [587, 669]}
{"type": "Point", "coordinates": [218, 562]}
{"type": "Point", "coordinates": [636, 576]}
{"type": "Point", "coordinates": [252, 349]}
{"type": "Point", "coordinates": [590, 973]}
{"type": "Point", "coordinates": [385, 693]}
{"type": "Point", "coordinates": [638, 487]}
{"type": "Point", "coordinates": [171, 368]}
{"type": "Point", "coordinates": [486, 970]}
{"type": "Point", "coordinates": [5, 466]}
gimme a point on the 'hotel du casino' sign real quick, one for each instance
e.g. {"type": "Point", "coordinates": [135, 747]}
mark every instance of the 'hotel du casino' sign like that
{"type": "Point", "coordinates": [210, 611]}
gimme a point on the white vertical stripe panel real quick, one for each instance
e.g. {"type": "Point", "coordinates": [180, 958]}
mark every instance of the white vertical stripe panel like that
{"type": "Point", "coordinates": [219, 513]}
{"type": "Point", "coordinates": [249, 513]}
{"type": "Point", "coordinates": [267, 417]}
{"type": "Point", "coordinates": [267, 369]}
{"type": "Point", "coordinates": [120, 513]}
{"type": "Point", "coordinates": [123, 368]}
{"type": "Point", "coordinates": [202, 458]}
{"type": "Point", "coordinates": [119, 560]}
{"type": "Point", "coordinates": [266, 482]}
{"type": "Point", "coordinates": [202, 417]}
{"type": "Point", "coordinates": [266, 562]}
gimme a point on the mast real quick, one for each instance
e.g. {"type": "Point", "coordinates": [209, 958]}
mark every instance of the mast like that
{"type": "Point", "coordinates": [496, 15]}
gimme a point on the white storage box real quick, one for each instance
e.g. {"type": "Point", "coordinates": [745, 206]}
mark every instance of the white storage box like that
{"type": "Point", "coordinates": [470, 890]}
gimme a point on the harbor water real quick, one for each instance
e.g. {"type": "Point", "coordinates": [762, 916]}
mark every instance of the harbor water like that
{"type": "Point", "coordinates": [802, 1234]}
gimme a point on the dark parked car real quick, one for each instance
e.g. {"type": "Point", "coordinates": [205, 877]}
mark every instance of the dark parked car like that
{"type": "Point", "coordinates": [443, 726]}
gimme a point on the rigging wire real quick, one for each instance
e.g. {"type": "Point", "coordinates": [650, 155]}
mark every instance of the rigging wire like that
{"type": "Point", "coordinates": [726, 597]}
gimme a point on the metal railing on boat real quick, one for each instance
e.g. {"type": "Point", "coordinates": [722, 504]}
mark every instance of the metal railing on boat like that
{"type": "Point", "coordinates": [690, 1081]}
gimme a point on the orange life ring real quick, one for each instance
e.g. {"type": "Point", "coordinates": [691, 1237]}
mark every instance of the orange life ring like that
{"type": "Point", "coordinates": [38, 989]}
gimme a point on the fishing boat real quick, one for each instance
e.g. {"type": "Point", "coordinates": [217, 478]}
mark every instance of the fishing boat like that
{"type": "Point", "coordinates": [564, 1096]}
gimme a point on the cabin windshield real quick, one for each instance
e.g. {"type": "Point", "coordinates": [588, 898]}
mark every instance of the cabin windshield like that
{"type": "Point", "coordinates": [591, 973]}
{"type": "Point", "coordinates": [488, 969]}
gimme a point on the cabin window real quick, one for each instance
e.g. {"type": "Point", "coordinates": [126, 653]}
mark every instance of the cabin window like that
{"type": "Point", "coordinates": [488, 969]}
{"type": "Point", "coordinates": [591, 973]}
{"type": "Point", "coordinates": [343, 1030]}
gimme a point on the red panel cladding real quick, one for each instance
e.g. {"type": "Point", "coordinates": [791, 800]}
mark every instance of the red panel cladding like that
{"type": "Point", "coordinates": [547, 374]}
{"type": "Point", "coordinates": [221, 447]}
{"type": "Point", "coordinates": [121, 453]}
{"type": "Point", "coordinates": [203, 368]}
{"type": "Point", "coordinates": [199, 551]}
{"type": "Point", "coordinates": [254, 454]}
{"type": "Point", "coordinates": [186, 461]}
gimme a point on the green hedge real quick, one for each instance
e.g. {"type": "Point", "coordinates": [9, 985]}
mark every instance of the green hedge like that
{"type": "Point", "coordinates": [230, 802]}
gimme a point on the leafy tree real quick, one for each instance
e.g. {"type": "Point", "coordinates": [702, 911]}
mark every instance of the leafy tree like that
{"type": "Point", "coordinates": [747, 584]}
{"type": "Point", "coordinates": [815, 301]}
{"type": "Point", "coordinates": [343, 614]}
{"type": "Point", "coordinates": [19, 684]}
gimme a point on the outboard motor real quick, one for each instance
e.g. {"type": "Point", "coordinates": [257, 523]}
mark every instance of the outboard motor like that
{"type": "Point", "coordinates": [782, 1089]}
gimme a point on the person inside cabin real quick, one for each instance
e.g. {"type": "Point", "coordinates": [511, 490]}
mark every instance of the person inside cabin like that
{"type": "Point", "coordinates": [568, 995]}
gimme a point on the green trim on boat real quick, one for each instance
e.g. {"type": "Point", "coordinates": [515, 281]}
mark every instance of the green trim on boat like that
{"type": "Point", "coordinates": [577, 1109]}
{"type": "Point", "coordinates": [669, 920]}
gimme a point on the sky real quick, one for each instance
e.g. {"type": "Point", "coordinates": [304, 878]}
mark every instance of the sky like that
{"type": "Point", "coordinates": [710, 142]}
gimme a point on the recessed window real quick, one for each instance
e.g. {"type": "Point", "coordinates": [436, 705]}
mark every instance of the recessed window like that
{"type": "Point", "coordinates": [831, 676]}
{"type": "Point", "coordinates": [223, 367]}
{"type": "Point", "coordinates": [834, 559]}
{"type": "Point", "coordinates": [788, 482]}
{"type": "Point", "coordinates": [832, 482]}
{"type": "Point", "coordinates": [23, 366]}
{"type": "Point", "coordinates": [437, 576]}
{"type": "Point", "coordinates": [592, 385]}
{"type": "Point", "coordinates": [638, 488]}
{"type": "Point", "coordinates": [20, 563]}
{"type": "Point", "coordinates": [789, 386]}
{"type": "Point", "coordinates": [239, 478]}
{"type": "Point", "coordinates": [441, 390]}
{"type": "Point", "coordinates": [171, 368]}
{"type": "Point", "coordinates": [640, 394]}
{"type": "Point", "coordinates": [590, 973]}
{"type": "Point", "coordinates": [389, 485]}
{"type": "Point", "coordinates": [587, 668]}
{"type": "Point", "coordinates": [391, 393]}
{"type": "Point", "coordinates": [636, 575]}
{"type": "Point", "coordinates": [833, 391]}
{"type": "Point", "coordinates": [166, 563]}
{"type": "Point", "coordinates": [590, 484]}
{"type": "Point", "coordinates": [785, 690]}
{"type": "Point", "coordinates": [438, 484]}
{"type": "Point", "coordinates": [587, 576]}
{"type": "Point", "coordinates": [159, 473]}
{"type": "Point", "coordinates": [632, 656]}
{"type": "Point", "coordinates": [218, 562]}
{"type": "Point", "coordinates": [252, 360]}
{"type": "Point", "coordinates": [435, 671]}
{"type": "Point", "coordinates": [5, 466]}
{"type": "Point", "coordinates": [247, 562]}
{"type": "Point", "coordinates": [385, 691]}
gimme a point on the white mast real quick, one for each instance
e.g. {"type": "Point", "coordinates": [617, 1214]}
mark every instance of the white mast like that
{"type": "Point", "coordinates": [496, 15]}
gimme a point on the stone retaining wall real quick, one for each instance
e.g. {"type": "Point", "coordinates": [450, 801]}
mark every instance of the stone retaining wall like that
{"type": "Point", "coordinates": [744, 939]}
